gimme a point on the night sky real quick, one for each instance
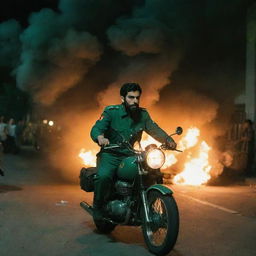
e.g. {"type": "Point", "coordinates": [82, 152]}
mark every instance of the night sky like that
{"type": "Point", "coordinates": [20, 9]}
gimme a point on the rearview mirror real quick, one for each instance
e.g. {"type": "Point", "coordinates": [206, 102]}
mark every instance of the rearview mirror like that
{"type": "Point", "coordinates": [179, 130]}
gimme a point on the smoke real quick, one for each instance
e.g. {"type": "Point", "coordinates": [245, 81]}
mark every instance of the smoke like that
{"type": "Point", "coordinates": [153, 73]}
{"type": "Point", "coordinates": [9, 43]}
{"type": "Point", "coordinates": [54, 56]}
{"type": "Point", "coordinates": [74, 60]}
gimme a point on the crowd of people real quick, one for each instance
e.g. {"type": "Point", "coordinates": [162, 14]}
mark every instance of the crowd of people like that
{"type": "Point", "coordinates": [39, 134]}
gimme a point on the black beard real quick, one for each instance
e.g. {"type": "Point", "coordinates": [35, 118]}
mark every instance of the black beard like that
{"type": "Point", "coordinates": [133, 111]}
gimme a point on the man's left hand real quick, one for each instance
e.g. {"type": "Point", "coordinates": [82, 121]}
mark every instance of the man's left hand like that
{"type": "Point", "coordinates": [172, 145]}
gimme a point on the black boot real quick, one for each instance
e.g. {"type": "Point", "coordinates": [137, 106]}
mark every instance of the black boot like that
{"type": "Point", "coordinates": [1, 172]}
{"type": "Point", "coordinates": [97, 211]}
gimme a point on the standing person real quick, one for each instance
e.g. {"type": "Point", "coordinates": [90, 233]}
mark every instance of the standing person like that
{"type": "Point", "coordinates": [120, 123]}
{"type": "Point", "coordinates": [246, 145]}
{"type": "Point", "coordinates": [11, 136]}
{"type": "Point", "coordinates": [3, 133]}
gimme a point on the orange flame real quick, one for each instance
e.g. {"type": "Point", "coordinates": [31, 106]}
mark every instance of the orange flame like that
{"type": "Point", "coordinates": [88, 157]}
{"type": "Point", "coordinates": [196, 171]}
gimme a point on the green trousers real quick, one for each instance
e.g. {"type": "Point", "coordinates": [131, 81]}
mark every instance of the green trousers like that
{"type": "Point", "coordinates": [107, 165]}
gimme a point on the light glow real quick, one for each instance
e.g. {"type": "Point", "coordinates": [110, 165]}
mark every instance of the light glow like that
{"type": "Point", "coordinates": [155, 158]}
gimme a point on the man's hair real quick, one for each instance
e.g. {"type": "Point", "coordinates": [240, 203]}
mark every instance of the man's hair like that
{"type": "Point", "coordinates": [129, 87]}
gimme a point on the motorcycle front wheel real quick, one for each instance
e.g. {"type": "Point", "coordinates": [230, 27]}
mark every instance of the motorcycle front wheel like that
{"type": "Point", "coordinates": [161, 233]}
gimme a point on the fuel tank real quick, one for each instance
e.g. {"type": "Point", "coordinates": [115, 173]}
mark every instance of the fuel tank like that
{"type": "Point", "coordinates": [128, 169]}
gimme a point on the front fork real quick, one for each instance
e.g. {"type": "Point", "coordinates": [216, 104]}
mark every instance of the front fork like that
{"type": "Point", "coordinates": [143, 193]}
{"type": "Point", "coordinates": [145, 205]}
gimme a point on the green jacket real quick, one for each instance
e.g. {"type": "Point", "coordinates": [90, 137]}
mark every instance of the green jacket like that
{"type": "Point", "coordinates": [116, 125]}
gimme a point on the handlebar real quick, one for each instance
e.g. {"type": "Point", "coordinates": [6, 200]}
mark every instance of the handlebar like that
{"type": "Point", "coordinates": [112, 146]}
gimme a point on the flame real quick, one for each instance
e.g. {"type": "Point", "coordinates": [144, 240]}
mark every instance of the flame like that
{"type": "Point", "coordinates": [88, 157]}
{"type": "Point", "coordinates": [196, 169]}
{"type": "Point", "coordinates": [190, 139]}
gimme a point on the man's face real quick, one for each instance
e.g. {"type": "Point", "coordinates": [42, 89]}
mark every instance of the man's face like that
{"type": "Point", "coordinates": [132, 98]}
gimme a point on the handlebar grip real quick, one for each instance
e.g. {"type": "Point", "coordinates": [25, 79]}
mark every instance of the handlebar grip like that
{"type": "Point", "coordinates": [110, 146]}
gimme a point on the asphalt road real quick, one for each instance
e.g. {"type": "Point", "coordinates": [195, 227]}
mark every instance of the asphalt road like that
{"type": "Point", "coordinates": [41, 216]}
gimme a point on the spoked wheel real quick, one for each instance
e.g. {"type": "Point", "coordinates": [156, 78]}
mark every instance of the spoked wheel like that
{"type": "Point", "coordinates": [161, 232]}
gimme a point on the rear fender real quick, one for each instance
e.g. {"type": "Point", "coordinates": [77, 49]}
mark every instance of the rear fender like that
{"type": "Point", "coordinates": [161, 188]}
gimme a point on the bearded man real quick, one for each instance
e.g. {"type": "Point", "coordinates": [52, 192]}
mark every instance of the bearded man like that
{"type": "Point", "coordinates": [120, 125]}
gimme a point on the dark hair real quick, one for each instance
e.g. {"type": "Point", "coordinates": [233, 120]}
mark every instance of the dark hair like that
{"type": "Point", "coordinates": [129, 87]}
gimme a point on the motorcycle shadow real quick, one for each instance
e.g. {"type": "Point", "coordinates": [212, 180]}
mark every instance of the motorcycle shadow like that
{"type": "Point", "coordinates": [123, 241]}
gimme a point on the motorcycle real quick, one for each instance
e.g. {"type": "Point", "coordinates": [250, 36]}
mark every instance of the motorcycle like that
{"type": "Point", "coordinates": [139, 198]}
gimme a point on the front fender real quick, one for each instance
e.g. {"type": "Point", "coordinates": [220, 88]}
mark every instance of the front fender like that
{"type": "Point", "coordinates": [161, 188]}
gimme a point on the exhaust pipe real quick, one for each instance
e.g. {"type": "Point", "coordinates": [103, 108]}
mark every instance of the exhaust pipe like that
{"type": "Point", "coordinates": [87, 207]}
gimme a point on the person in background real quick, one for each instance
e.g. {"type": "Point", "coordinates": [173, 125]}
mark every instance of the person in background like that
{"type": "Point", "coordinates": [246, 145]}
{"type": "Point", "coordinates": [11, 137]}
{"type": "Point", "coordinates": [3, 133]}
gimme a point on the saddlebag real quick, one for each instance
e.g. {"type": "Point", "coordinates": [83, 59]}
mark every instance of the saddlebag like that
{"type": "Point", "coordinates": [87, 178]}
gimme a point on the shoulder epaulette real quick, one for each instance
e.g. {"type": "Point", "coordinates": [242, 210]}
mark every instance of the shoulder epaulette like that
{"type": "Point", "coordinates": [143, 109]}
{"type": "Point", "coordinates": [112, 107]}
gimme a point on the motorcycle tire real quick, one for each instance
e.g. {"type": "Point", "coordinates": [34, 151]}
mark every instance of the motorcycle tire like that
{"type": "Point", "coordinates": [161, 234]}
{"type": "Point", "coordinates": [104, 226]}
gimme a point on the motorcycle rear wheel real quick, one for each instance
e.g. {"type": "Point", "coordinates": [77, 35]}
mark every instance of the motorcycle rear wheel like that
{"type": "Point", "coordinates": [104, 226]}
{"type": "Point", "coordinates": [161, 233]}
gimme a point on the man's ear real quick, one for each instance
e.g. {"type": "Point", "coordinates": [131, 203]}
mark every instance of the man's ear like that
{"type": "Point", "coordinates": [122, 99]}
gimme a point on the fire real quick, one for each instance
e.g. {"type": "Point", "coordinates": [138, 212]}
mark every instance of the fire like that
{"type": "Point", "coordinates": [190, 139]}
{"type": "Point", "coordinates": [196, 170]}
{"type": "Point", "coordinates": [88, 157]}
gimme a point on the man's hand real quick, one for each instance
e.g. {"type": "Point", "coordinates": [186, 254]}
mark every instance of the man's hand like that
{"type": "Point", "coordinates": [102, 141]}
{"type": "Point", "coordinates": [171, 144]}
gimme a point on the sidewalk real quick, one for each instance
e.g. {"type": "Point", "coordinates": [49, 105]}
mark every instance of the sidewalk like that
{"type": "Point", "coordinates": [250, 181]}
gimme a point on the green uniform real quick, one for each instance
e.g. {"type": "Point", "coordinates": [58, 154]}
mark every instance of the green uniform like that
{"type": "Point", "coordinates": [117, 126]}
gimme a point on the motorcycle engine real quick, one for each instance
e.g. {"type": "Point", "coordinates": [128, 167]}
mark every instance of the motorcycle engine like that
{"type": "Point", "coordinates": [117, 209]}
{"type": "Point", "coordinates": [123, 188]}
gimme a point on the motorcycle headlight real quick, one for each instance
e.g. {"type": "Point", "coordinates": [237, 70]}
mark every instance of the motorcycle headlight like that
{"type": "Point", "coordinates": [155, 158]}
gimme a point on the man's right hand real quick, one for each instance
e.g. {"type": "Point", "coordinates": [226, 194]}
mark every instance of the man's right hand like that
{"type": "Point", "coordinates": [102, 141]}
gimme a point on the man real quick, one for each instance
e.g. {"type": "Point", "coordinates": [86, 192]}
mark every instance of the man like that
{"type": "Point", "coordinates": [120, 124]}
{"type": "Point", "coordinates": [246, 146]}
{"type": "Point", "coordinates": [3, 133]}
